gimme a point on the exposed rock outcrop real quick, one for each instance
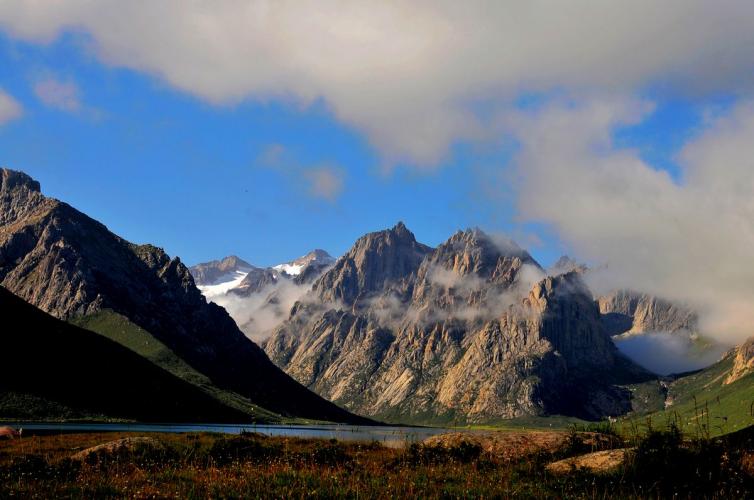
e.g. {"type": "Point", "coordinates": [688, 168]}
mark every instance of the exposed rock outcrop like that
{"type": "Point", "coordinates": [598, 462]}
{"type": "Point", "coordinates": [105, 450]}
{"type": "Point", "coordinates": [743, 361]}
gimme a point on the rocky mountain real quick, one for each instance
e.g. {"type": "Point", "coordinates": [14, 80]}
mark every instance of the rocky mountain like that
{"type": "Point", "coordinates": [470, 331]}
{"type": "Point", "coordinates": [236, 276]}
{"type": "Point", "coordinates": [71, 266]}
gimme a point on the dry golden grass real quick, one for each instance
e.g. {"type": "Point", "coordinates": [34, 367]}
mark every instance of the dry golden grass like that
{"type": "Point", "coordinates": [217, 466]}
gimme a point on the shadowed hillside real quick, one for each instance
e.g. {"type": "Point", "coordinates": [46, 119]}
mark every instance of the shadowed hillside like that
{"type": "Point", "coordinates": [51, 369]}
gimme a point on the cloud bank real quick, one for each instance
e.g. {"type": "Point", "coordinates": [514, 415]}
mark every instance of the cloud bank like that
{"type": "Point", "coordinates": [411, 75]}
{"type": "Point", "coordinates": [690, 239]}
{"type": "Point", "coordinates": [259, 313]}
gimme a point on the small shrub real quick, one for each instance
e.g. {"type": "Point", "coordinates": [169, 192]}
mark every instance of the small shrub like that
{"type": "Point", "coordinates": [330, 453]}
{"type": "Point", "coordinates": [243, 448]}
{"type": "Point", "coordinates": [421, 454]}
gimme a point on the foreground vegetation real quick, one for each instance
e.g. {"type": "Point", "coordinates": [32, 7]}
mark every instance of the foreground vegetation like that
{"type": "Point", "coordinates": [210, 465]}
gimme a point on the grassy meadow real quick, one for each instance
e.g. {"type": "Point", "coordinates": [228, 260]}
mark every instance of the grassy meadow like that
{"type": "Point", "coordinates": [218, 466]}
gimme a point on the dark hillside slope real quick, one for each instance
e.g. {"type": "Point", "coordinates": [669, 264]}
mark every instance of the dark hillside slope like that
{"type": "Point", "coordinates": [80, 374]}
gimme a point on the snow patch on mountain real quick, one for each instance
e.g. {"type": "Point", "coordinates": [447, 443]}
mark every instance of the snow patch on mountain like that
{"type": "Point", "coordinates": [223, 284]}
{"type": "Point", "coordinates": [290, 269]}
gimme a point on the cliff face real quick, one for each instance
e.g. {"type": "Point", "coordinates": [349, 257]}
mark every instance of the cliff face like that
{"type": "Point", "coordinates": [472, 330]}
{"type": "Point", "coordinates": [627, 311]}
{"type": "Point", "coordinates": [69, 265]}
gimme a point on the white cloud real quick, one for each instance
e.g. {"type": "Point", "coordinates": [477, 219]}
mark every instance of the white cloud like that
{"type": "Point", "coordinates": [63, 96]}
{"type": "Point", "coordinates": [691, 241]}
{"type": "Point", "coordinates": [411, 75]}
{"type": "Point", "coordinates": [325, 182]}
{"type": "Point", "coordinates": [259, 313]}
{"type": "Point", "coordinates": [10, 109]}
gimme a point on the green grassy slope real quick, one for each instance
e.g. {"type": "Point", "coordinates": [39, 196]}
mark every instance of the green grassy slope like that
{"type": "Point", "coordinates": [54, 370]}
{"type": "Point", "coordinates": [701, 404]}
{"type": "Point", "coordinates": [120, 329]}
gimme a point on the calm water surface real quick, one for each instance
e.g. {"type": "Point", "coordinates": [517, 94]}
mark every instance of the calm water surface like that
{"type": "Point", "coordinates": [390, 436]}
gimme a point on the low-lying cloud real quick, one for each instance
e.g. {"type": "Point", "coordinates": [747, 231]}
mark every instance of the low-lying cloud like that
{"type": "Point", "coordinates": [259, 313]}
{"type": "Point", "coordinates": [453, 296]}
{"type": "Point", "coordinates": [666, 354]}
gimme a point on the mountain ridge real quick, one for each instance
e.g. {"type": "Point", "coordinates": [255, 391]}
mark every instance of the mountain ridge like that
{"type": "Point", "coordinates": [70, 265]}
{"type": "Point", "coordinates": [398, 330]}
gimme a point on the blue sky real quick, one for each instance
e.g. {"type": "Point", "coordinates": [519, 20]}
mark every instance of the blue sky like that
{"type": "Point", "coordinates": [210, 138]}
{"type": "Point", "coordinates": [156, 165]}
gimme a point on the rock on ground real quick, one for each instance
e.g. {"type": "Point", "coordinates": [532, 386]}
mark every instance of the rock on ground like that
{"type": "Point", "coordinates": [598, 462]}
{"type": "Point", "coordinates": [116, 446]}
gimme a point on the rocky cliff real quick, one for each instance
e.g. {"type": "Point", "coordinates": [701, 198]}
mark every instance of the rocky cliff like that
{"type": "Point", "coordinates": [470, 331]}
{"type": "Point", "coordinates": [633, 312]}
{"type": "Point", "coordinates": [69, 265]}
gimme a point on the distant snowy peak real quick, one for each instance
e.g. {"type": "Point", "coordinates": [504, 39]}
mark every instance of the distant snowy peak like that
{"type": "Point", "coordinates": [217, 272]}
{"type": "Point", "coordinates": [234, 275]}
{"type": "Point", "coordinates": [318, 259]}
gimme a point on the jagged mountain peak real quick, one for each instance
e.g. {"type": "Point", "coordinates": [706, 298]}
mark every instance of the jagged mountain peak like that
{"type": "Point", "coordinates": [317, 254]}
{"type": "Point", "coordinates": [475, 252]}
{"type": "Point", "coordinates": [233, 261]}
{"type": "Point", "coordinates": [13, 179]}
{"type": "Point", "coordinates": [396, 235]}
{"type": "Point", "coordinates": [376, 260]}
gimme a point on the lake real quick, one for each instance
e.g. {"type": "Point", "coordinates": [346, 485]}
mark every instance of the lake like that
{"type": "Point", "coordinates": [388, 435]}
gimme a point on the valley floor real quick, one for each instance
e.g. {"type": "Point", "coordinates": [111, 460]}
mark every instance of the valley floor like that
{"type": "Point", "coordinates": [493, 464]}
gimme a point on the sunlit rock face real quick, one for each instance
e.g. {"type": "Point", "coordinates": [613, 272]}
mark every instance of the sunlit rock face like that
{"type": "Point", "coordinates": [472, 330]}
{"type": "Point", "coordinates": [743, 361]}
